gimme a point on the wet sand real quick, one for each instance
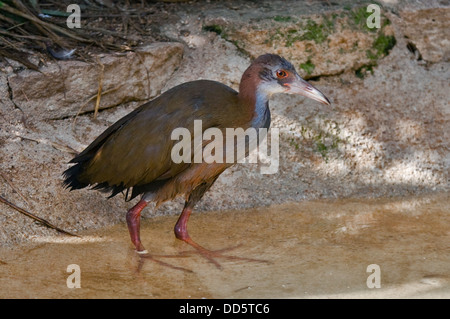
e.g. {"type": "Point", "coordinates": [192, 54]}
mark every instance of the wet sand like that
{"type": "Point", "coordinates": [314, 249]}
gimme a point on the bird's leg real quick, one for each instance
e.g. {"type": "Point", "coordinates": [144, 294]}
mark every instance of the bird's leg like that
{"type": "Point", "coordinates": [181, 225]}
{"type": "Point", "coordinates": [181, 233]}
{"type": "Point", "coordinates": [134, 225]}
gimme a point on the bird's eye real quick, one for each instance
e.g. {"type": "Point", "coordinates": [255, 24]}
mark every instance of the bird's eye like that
{"type": "Point", "coordinates": [281, 74]}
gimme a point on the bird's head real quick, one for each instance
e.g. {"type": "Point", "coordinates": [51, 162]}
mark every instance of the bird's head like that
{"type": "Point", "coordinates": [273, 74]}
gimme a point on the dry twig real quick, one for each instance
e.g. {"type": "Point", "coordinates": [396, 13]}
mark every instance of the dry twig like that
{"type": "Point", "coordinates": [28, 214]}
{"type": "Point", "coordinates": [89, 100]}
{"type": "Point", "coordinates": [100, 87]}
{"type": "Point", "coordinates": [13, 188]}
{"type": "Point", "coordinates": [58, 146]}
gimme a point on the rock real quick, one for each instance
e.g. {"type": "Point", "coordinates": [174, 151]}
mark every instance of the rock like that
{"type": "Point", "coordinates": [428, 30]}
{"type": "Point", "coordinates": [326, 44]}
{"type": "Point", "coordinates": [66, 88]}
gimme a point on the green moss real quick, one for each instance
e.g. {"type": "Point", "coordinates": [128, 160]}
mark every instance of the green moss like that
{"type": "Point", "coordinates": [358, 19]}
{"type": "Point", "coordinates": [308, 66]}
{"type": "Point", "coordinates": [328, 139]}
{"type": "Point", "coordinates": [347, 7]}
{"type": "Point", "coordinates": [282, 19]}
{"type": "Point", "coordinates": [290, 36]}
{"type": "Point", "coordinates": [294, 143]}
{"type": "Point", "coordinates": [309, 30]}
{"type": "Point", "coordinates": [381, 47]}
{"type": "Point", "coordinates": [383, 44]}
{"type": "Point", "coordinates": [317, 32]}
{"type": "Point", "coordinates": [274, 35]}
{"type": "Point", "coordinates": [322, 138]}
{"type": "Point", "coordinates": [364, 70]}
{"type": "Point", "coordinates": [322, 149]}
{"type": "Point", "coordinates": [370, 54]}
{"type": "Point", "coordinates": [359, 15]}
{"type": "Point", "coordinates": [213, 28]}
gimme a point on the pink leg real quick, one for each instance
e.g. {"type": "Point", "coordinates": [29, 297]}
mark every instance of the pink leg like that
{"type": "Point", "coordinates": [181, 233]}
{"type": "Point", "coordinates": [134, 224]}
{"type": "Point", "coordinates": [181, 225]}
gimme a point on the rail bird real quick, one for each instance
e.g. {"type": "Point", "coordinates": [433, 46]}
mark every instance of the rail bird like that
{"type": "Point", "coordinates": [134, 154]}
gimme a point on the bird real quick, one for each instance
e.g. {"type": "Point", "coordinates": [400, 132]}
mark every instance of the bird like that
{"type": "Point", "coordinates": [134, 154]}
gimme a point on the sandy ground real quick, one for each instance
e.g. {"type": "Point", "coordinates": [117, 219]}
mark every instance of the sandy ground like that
{"type": "Point", "coordinates": [313, 249]}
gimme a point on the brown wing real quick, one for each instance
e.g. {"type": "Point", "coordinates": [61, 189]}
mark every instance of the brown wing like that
{"type": "Point", "coordinates": [136, 150]}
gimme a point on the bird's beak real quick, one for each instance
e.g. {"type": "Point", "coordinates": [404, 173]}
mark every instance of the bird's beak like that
{"type": "Point", "coordinates": [301, 87]}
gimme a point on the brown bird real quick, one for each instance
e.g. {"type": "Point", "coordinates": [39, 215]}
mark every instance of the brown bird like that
{"type": "Point", "coordinates": [134, 154]}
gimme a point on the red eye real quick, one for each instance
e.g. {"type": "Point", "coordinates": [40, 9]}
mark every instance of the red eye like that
{"type": "Point", "coordinates": [281, 74]}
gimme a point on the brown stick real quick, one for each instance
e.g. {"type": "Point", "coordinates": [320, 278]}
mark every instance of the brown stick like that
{"type": "Point", "coordinates": [43, 221]}
{"type": "Point", "coordinates": [58, 146]}
{"type": "Point", "coordinates": [100, 87]}
{"type": "Point", "coordinates": [89, 100]}
{"type": "Point", "coordinates": [14, 188]}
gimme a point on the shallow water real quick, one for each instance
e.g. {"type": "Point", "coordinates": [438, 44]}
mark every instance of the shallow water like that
{"type": "Point", "coordinates": [315, 249]}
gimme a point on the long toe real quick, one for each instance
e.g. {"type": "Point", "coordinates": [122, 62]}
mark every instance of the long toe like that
{"type": "Point", "coordinates": [147, 256]}
{"type": "Point", "coordinates": [212, 255]}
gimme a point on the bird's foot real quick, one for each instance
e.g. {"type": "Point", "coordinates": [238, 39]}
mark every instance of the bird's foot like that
{"type": "Point", "coordinates": [212, 255]}
{"type": "Point", "coordinates": [144, 255]}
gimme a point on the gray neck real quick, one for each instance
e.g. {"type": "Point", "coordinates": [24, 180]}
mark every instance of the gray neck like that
{"type": "Point", "coordinates": [262, 111]}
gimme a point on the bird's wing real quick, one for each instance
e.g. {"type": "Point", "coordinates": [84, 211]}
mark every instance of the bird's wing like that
{"type": "Point", "coordinates": [136, 150]}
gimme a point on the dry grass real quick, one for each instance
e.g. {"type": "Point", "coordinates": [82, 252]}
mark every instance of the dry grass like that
{"type": "Point", "coordinates": [40, 27]}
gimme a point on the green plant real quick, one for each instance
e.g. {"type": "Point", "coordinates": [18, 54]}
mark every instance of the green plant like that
{"type": "Point", "coordinates": [358, 17]}
{"type": "Point", "coordinates": [317, 32]}
{"type": "Point", "coordinates": [308, 66]}
{"type": "Point", "coordinates": [383, 44]}
{"type": "Point", "coordinates": [362, 71]}
{"type": "Point", "coordinates": [282, 19]}
{"type": "Point", "coordinates": [213, 28]}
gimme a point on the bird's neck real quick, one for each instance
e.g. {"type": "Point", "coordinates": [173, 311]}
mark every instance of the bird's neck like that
{"type": "Point", "coordinates": [262, 111]}
{"type": "Point", "coordinates": [255, 101]}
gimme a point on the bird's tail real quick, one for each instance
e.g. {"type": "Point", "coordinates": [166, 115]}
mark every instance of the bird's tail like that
{"type": "Point", "coordinates": [71, 175]}
{"type": "Point", "coordinates": [72, 182]}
